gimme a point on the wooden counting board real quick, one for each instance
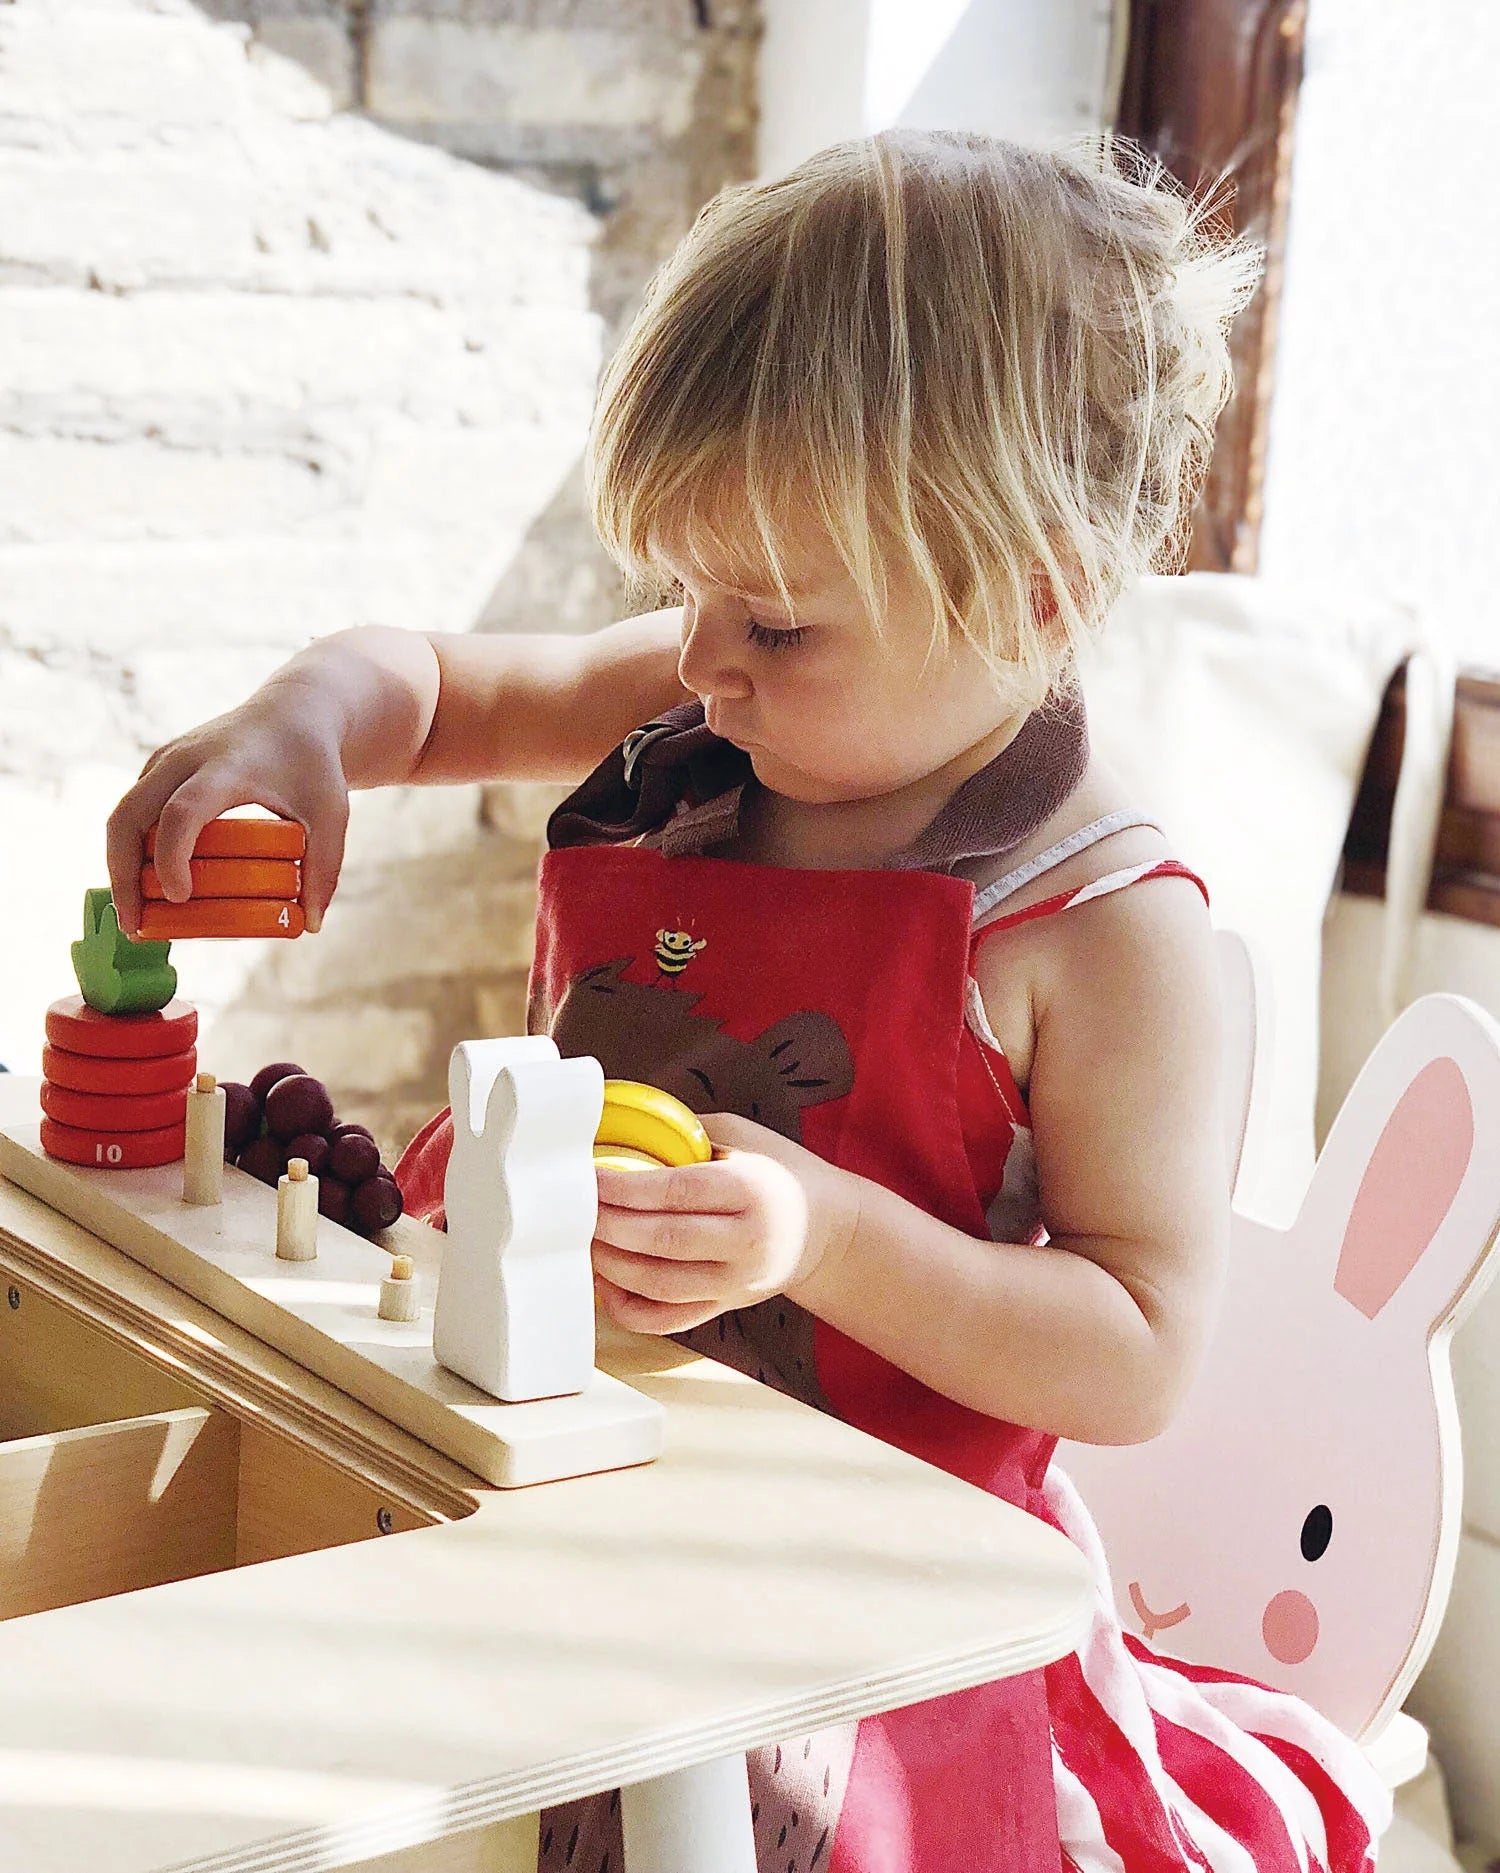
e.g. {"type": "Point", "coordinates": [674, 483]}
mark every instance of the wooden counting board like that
{"type": "Point", "coordinates": [322, 1314]}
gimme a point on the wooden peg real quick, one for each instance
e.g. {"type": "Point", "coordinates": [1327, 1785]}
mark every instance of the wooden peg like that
{"type": "Point", "coordinates": [203, 1159]}
{"type": "Point", "coordinates": [297, 1214]}
{"type": "Point", "coordinates": [400, 1298]}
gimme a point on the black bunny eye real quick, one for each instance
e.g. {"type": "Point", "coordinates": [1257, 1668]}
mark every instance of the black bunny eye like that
{"type": "Point", "coordinates": [1317, 1532]}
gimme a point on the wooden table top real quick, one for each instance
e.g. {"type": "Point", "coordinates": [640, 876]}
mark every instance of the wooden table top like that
{"type": "Point", "coordinates": [773, 1572]}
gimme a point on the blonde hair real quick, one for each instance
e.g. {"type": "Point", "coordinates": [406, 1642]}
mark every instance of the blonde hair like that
{"type": "Point", "coordinates": [1002, 365]}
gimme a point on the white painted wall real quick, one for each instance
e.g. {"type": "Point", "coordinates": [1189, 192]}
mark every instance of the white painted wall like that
{"type": "Point", "coordinates": [1384, 456]}
{"type": "Point", "coordinates": [1031, 70]}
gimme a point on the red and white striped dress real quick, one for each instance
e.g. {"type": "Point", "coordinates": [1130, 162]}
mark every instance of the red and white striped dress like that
{"type": "Point", "coordinates": [841, 1008]}
{"type": "Point", "coordinates": [1161, 1766]}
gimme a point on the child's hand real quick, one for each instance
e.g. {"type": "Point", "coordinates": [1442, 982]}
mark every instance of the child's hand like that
{"type": "Point", "coordinates": [673, 1248]}
{"type": "Point", "coordinates": [278, 750]}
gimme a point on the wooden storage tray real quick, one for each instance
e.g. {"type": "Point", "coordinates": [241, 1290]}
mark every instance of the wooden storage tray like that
{"type": "Point", "coordinates": [114, 1475]}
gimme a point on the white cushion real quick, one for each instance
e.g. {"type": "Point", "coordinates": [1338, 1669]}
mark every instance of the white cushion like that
{"type": "Point", "coordinates": [1240, 714]}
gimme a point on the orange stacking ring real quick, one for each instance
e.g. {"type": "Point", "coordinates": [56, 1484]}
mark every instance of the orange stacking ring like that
{"type": "Point", "coordinates": [244, 838]}
{"type": "Point", "coordinates": [81, 1073]}
{"type": "Point", "coordinates": [223, 917]}
{"type": "Point", "coordinates": [115, 1112]}
{"type": "Point", "coordinates": [113, 1151]}
{"type": "Point", "coordinates": [73, 1025]}
{"type": "Point", "coordinates": [232, 877]}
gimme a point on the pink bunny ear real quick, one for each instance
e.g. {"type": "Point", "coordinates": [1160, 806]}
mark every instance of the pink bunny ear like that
{"type": "Point", "coordinates": [1414, 1174]}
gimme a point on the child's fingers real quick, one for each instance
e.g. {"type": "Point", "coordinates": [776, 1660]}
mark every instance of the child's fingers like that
{"type": "Point", "coordinates": [184, 814]}
{"type": "Point", "coordinates": [670, 1235]}
{"type": "Point", "coordinates": [125, 834]}
{"type": "Point", "coordinates": [689, 1283]}
{"type": "Point", "coordinates": [715, 1188]}
{"type": "Point", "coordinates": [327, 828]}
{"type": "Point", "coordinates": [637, 1315]}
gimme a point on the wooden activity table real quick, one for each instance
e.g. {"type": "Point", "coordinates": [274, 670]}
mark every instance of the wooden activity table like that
{"type": "Point", "coordinates": [251, 1626]}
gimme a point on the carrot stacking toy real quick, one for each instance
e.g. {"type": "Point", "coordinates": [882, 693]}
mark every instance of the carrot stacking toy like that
{"type": "Point", "coordinates": [246, 882]}
{"type": "Point", "coordinates": [120, 1054]}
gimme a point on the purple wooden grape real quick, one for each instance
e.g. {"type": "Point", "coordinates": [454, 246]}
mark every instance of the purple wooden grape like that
{"type": "Point", "coordinates": [296, 1104]}
{"type": "Point", "coordinates": [262, 1159]}
{"type": "Point", "coordinates": [310, 1145]}
{"type": "Point", "coordinates": [333, 1199]}
{"type": "Point", "coordinates": [268, 1076]}
{"type": "Point", "coordinates": [375, 1203]}
{"type": "Point", "coordinates": [241, 1118]}
{"type": "Point", "coordinates": [353, 1157]}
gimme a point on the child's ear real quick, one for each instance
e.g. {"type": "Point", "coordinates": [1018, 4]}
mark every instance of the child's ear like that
{"type": "Point", "coordinates": [1053, 626]}
{"type": "Point", "coordinates": [1045, 608]}
{"type": "Point", "coordinates": [1047, 588]}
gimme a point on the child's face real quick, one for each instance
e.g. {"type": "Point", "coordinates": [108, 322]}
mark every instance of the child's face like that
{"type": "Point", "coordinates": [826, 710]}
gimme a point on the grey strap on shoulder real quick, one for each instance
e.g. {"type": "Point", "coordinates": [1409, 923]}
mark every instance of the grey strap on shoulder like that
{"type": "Point", "coordinates": [1080, 841]}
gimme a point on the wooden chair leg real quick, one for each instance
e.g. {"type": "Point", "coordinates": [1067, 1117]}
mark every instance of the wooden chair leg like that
{"type": "Point", "coordinates": [693, 1821]}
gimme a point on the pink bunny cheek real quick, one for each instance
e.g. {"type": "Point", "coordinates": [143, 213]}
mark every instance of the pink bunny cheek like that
{"type": "Point", "coordinates": [1289, 1627]}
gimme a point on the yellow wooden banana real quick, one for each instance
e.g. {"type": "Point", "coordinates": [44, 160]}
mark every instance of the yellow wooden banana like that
{"type": "Point", "coordinates": [644, 1118]}
{"type": "Point", "coordinates": [625, 1158]}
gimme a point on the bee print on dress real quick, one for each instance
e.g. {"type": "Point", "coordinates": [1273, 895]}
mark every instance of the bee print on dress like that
{"type": "Point", "coordinates": [675, 949]}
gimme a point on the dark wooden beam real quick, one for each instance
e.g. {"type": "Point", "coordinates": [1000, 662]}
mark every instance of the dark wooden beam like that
{"type": "Point", "coordinates": [1210, 87]}
{"type": "Point", "coordinates": [1466, 872]}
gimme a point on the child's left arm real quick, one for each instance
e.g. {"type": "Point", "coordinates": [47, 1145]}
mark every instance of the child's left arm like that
{"type": "Point", "coordinates": [1094, 1336]}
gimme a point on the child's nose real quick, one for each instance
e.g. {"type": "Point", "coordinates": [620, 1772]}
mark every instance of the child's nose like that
{"type": "Point", "coordinates": [709, 663]}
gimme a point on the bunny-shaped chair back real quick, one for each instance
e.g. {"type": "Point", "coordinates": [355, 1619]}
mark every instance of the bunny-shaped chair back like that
{"type": "Point", "coordinates": [1244, 995]}
{"type": "Point", "coordinates": [1298, 1521]}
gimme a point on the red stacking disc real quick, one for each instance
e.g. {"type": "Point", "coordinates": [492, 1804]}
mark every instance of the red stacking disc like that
{"type": "Point", "coordinates": [222, 917]}
{"type": "Point", "coordinates": [232, 877]}
{"type": "Point", "coordinates": [113, 1151]}
{"type": "Point", "coordinates": [114, 1112]}
{"type": "Point", "coordinates": [244, 838]}
{"type": "Point", "coordinates": [84, 1073]}
{"type": "Point", "coordinates": [72, 1024]}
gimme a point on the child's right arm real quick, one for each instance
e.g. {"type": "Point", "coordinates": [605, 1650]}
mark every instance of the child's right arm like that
{"type": "Point", "coordinates": [375, 707]}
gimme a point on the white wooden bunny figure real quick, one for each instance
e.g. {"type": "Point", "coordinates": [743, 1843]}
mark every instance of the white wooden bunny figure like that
{"type": "Point", "coordinates": [515, 1302]}
{"type": "Point", "coordinates": [1298, 1521]}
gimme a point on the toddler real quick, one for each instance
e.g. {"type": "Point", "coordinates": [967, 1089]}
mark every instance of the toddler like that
{"type": "Point", "coordinates": [839, 869]}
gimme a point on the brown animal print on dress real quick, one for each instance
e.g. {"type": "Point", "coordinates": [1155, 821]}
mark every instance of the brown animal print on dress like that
{"type": "Point", "coordinates": [648, 1031]}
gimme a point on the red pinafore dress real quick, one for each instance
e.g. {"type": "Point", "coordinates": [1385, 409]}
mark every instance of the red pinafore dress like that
{"type": "Point", "coordinates": [840, 1009]}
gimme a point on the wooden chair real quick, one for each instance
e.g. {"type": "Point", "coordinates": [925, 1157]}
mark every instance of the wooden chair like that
{"type": "Point", "coordinates": [1298, 1521]}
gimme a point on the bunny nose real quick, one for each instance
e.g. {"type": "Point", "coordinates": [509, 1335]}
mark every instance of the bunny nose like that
{"type": "Point", "coordinates": [1289, 1627]}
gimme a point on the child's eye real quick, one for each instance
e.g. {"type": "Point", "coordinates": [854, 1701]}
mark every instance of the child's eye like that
{"type": "Point", "coordinates": [775, 640]}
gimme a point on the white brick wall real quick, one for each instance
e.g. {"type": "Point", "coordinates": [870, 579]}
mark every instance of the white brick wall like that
{"type": "Point", "coordinates": [269, 372]}
{"type": "Point", "coordinates": [455, 71]}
